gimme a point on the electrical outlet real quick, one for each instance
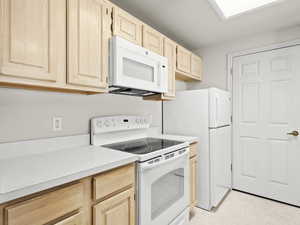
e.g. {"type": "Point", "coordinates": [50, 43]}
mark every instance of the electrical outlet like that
{"type": "Point", "coordinates": [57, 124]}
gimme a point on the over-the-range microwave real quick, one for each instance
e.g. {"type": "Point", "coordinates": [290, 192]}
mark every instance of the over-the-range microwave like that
{"type": "Point", "coordinates": [135, 70]}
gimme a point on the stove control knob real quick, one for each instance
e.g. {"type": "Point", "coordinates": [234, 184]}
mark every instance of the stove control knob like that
{"type": "Point", "coordinates": [137, 121]}
{"type": "Point", "coordinates": [99, 124]}
{"type": "Point", "coordinates": [107, 123]}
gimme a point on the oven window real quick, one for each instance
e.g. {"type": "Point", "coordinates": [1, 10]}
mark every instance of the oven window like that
{"type": "Point", "coordinates": [166, 191]}
{"type": "Point", "coordinates": [137, 70]}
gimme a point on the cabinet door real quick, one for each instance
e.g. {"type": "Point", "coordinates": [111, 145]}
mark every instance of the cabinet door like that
{"type": "Point", "coordinates": [117, 210]}
{"type": "Point", "coordinates": [170, 54]}
{"type": "Point", "coordinates": [127, 26]}
{"type": "Point", "coordinates": [193, 182]}
{"type": "Point", "coordinates": [88, 42]}
{"type": "Point", "coordinates": [153, 40]}
{"type": "Point", "coordinates": [33, 39]}
{"type": "Point", "coordinates": [196, 66]}
{"type": "Point", "coordinates": [73, 220]}
{"type": "Point", "coordinates": [183, 59]}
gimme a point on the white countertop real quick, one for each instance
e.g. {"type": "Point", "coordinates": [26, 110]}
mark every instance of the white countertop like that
{"type": "Point", "coordinates": [24, 175]}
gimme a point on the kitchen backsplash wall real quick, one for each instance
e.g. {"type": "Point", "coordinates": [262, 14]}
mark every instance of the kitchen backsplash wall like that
{"type": "Point", "coordinates": [28, 115]}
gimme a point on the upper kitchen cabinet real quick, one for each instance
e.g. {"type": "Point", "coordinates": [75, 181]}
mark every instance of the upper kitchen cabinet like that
{"type": "Point", "coordinates": [33, 41]}
{"type": "Point", "coordinates": [153, 40]}
{"type": "Point", "coordinates": [189, 66]}
{"type": "Point", "coordinates": [169, 51]}
{"type": "Point", "coordinates": [196, 67]}
{"type": "Point", "coordinates": [88, 41]}
{"type": "Point", "coordinates": [170, 54]}
{"type": "Point", "coordinates": [184, 58]}
{"type": "Point", "coordinates": [127, 26]}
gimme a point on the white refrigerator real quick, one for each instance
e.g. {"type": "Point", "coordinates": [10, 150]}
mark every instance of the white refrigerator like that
{"type": "Point", "coordinates": [206, 114]}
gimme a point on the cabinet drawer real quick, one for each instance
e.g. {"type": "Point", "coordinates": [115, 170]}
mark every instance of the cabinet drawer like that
{"type": "Point", "coordinates": [45, 208]}
{"type": "Point", "coordinates": [112, 181]}
{"type": "Point", "coordinates": [72, 220]}
{"type": "Point", "coordinates": [193, 150]}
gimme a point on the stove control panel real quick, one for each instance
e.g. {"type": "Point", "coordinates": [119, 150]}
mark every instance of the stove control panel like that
{"type": "Point", "coordinates": [119, 123]}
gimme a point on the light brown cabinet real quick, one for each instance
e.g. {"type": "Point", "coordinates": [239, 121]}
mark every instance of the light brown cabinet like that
{"type": "Point", "coordinates": [63, 45]}
{"type": "Point", "coordinates": [188, 65]}
{"type": "Point", "coordinates": [88, 38]}
{"type": "Point", "coordinates": [170, 54]}
{"type": "Point", "coordinates": [33, 41]}
{"type": "Point", "coordinates": [196, 66]}
{"type": "Point", "coordinates": [153, 40]}
{"type": "Point", "coordinates": [127, 26]}
{"type": "Point", "coordinates": [193, 175]}
{"type": "Point", "coordinates": [184, 58]}
{"type": "Point", "coordinates": [72, 220]}
{"type": "Point", "coordinates": [117, 210]}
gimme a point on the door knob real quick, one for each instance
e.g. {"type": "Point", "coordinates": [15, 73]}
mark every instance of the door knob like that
{"type": "Point", "coordinates": [294, 133]}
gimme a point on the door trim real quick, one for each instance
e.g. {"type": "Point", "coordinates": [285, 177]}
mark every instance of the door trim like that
{"type": "Point", "coordinates": [230, 58]}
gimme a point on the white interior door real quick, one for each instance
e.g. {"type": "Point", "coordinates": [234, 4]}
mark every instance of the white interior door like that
{"type": "Point", "coordinates": [266, 92]}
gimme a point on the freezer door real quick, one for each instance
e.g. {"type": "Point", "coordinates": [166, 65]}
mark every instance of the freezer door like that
{"type": "Point", "coordinates": [220, 150]}
{"type": "Point", "coordinates": [219, 108]}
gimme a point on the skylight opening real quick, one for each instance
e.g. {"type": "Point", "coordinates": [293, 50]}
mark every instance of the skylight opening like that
{"type": "Point", "coordinates": [230, 8]}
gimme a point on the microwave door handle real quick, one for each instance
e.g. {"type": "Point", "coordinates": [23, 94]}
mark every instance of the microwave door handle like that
{"type": "Point", "coordinates": [151, 166]}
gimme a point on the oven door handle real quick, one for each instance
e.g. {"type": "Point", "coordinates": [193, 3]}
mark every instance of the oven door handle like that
{"type": "Point", "coordinates": [150, 166]}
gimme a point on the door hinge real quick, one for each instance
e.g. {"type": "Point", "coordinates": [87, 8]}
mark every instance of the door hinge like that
{"type": "Point", "coordinates": [231, 71]}
{"type": "Point", "coordinates": [231, 119]}
{"type": "Point", "coordinates": [231, 167]}
{"type": "Point", "coordinates": [112, 21]}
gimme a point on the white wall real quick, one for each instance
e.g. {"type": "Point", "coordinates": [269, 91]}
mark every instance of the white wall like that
{"type": "Point", "coordinates": [181, 85]}
{"type": "Point", "coordinates": [215, 57]}
{"type": "Point", "coordinates": [28, 114]}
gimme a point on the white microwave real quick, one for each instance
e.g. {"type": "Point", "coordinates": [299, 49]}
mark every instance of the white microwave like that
{"type": "Point", "coordinates": [135, 70]}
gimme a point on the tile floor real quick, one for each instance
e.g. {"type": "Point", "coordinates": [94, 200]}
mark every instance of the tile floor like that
{"type": "Point", "coordinates": [243, 209]}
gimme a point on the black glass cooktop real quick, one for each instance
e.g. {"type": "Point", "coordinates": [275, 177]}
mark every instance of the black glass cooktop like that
{"type": "Point", "coordinates": [143, 145]}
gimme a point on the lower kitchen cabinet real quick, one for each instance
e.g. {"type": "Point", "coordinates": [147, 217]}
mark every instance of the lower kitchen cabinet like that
{"type": "Point", "coordinates": [117, 210]}
{"type": "Point", "coordinates": [72, 220]}
{"type": "Point", "coordinates": [193, 175]}
{"type": "Point", "coordinates": [74, 204]}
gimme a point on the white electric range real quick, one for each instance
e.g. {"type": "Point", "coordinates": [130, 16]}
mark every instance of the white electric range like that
{"type": "Point", "coordinates": [162, 168]}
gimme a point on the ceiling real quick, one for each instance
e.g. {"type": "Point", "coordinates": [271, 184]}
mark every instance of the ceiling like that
{"type": "Point", "coordinates": [195, 24]}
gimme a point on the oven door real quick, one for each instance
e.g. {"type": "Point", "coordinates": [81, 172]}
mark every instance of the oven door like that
{"type": "Point", "coordinates": [163, 190]}
{"type": "Point", "coordinates": [137, 68]}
